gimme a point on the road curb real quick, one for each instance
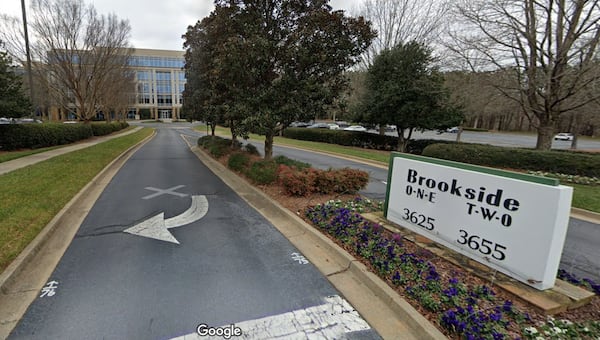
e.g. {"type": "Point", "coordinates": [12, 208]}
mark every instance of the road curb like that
{"type": "Point", "coordinates": [337, 260]}
{"type": "Point", "coordinates": [586, 215]}
{"type": "Point", "coordinates": [67, 221]}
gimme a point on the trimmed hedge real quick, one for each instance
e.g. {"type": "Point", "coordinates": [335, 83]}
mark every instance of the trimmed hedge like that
{"type": "Point", "coordinates": [102, 129]}
{"type": "Point", "coordinates": [359, 139]}
{"type": "Point", "coordinates": [346, 138]}
{"type": "Point", "coordinates": [565, 162]}
{"type": "Point", "coordinates": [34, 136]}
{"type": "Point", "coordinates": [416, 146]}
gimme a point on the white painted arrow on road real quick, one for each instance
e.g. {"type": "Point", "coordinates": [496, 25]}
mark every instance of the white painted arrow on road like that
{"type": "Point", "coordinates": [157, 227]}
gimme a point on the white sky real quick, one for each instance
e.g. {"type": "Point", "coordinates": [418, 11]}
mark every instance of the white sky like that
{"type": "Point", "coordinates": [156, 24]}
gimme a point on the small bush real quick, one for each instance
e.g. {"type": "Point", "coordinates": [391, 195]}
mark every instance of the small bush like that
{"type": "Point", "coordinates": [295, 182]}
{"type": "Point", "coordinates": [217, 150]}
{"type": "Point", "coordinates": [263, 172]}
{"type": "Point", "coordinates": [251, 149]}
{"type": "Point", "coordinates": [350, 180]}
{"type": "Point", "coordinates": [291, 162]}
{"type": "Point", "coordinates": [218, 146]}
{"type": "Point", "coordinates": [238, 161]}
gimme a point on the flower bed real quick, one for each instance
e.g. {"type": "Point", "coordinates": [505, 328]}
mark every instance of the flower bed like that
{"type": "Point", "coordinates": [462, 306]}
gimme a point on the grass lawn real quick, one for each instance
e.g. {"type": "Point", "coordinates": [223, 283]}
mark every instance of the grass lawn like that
{"type": "Point", "coordinates": [584, 196]}
{"type": "Point", "coordinates": [10, 155]}
{"type": "Point", "coordinates": [32, 196]}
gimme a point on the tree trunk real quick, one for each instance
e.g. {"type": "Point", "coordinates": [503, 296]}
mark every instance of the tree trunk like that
{"type": "Point", "coordinates": [403, 141]}
{"type": "Point", "coordinates": [268, 145]}
{"type": "Point", "coordinates": [574, 142]}
{"type": "Point", "coordinates": [544, 138]}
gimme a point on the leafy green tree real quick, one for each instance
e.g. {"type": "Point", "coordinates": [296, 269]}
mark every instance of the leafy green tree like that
{"type": "Point", "coordinates": [404, 89]}
{"type": "Point", "coordinates": [269, 63]}
{"type": "Point", "coordinates": [208, 93]}
{"type": "Point", "coordinates": [13, 102]}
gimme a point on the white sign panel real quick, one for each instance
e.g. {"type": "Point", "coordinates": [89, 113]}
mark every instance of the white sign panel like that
{"type": "Point", "coordinates": [501, 220]}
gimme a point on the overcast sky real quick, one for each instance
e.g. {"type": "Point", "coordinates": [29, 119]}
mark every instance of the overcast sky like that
{"type": "Point", "coordinates": [156, 24]}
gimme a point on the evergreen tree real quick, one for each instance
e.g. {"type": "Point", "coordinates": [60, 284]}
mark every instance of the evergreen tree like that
{"type": "Point", "coordinates": [404, 89]}
{"type": "Point", "coordinates": [13, 102]}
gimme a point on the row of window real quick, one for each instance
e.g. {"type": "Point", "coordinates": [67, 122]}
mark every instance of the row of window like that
{"type": "Point", "coordinates": [162, 87]}
{"type": "Point", "coordinates": [144, 61]}
{"type": "Point", "coordinates": [147, 75]}
{"type": "Point", "coordinates": [161, 99]}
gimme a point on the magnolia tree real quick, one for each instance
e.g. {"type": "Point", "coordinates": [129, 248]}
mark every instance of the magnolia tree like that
{"type": "Point", "coordinates": [271, 62]}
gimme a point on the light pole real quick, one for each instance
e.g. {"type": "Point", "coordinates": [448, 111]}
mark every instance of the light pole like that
{"type": "Point", "coordinates": [29, 73]}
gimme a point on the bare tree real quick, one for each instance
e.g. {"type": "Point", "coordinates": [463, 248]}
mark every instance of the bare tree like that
{"type": "Point", "coordinates": [402, 21]}
{"type": "Point", "coordinates": [79, 53]}
{"type": "Point", "coordinates": [120, 95]}
{"type": "Point", "coordinates": [547, 45]}
{"type": "Point", "coordinates": [11, 33]}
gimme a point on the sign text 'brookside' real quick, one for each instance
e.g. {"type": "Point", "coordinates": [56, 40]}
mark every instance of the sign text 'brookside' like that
{"type": "Point", "coordinates": [488, 200]}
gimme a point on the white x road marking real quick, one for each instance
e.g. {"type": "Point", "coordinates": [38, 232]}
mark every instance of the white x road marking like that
{"type": "Point", "coordinates": [170, 191]}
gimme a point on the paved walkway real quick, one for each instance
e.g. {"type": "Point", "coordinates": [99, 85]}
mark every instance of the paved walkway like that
{"type": "Point", "coordinates": [42, 156]}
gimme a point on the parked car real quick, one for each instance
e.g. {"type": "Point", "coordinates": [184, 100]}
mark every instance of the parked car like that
{"type": "Point", "coordinates": [355, 128]}
{"type": "Point", "coordinates": [299, 124]}
{"type": "Point", "coordinates": [4, 120]}
{"type": "Point", "coordinates": [28, 121]}
{"type": "Point", "coordinates": [333, 126]}
{"type": "Point", "coordinates": [319, 126]}
{"type": "Point", "coordinates": [453, 129]}
{"type": "Point", "coordinates": [564, 136]}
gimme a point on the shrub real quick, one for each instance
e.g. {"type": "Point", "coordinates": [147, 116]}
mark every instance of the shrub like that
{"type": "Point", "coordinates": [251, 149]}
{"type": "Point", "coordinates": [351, 180]}
{"type": "Point", "coordinates": [346, 138]}
{"type": "Point", "coordinates": [297, 183]}
{"type": "Point", "coordinates": [218, 146]}
{"type": "Point", "coordinates": [564, 162]}
{"type": "Point", "coordinates": [217, 150]}
{"type": "Point", "coordinates": [102, 129]}
{"type": "Point", "coordinates": [205, 141]}
{"type": "Point", "coordinates": [306, 181]}
{"type": "Point", "coordinates": [238, 161]}
{"type": "Point", "coordinates": [263, 172]}
{"type": "Point", "coordinates": [416, 146]}
{"type": "Point", "coordinates": [291, 162]}
{"type": "Point", "coordinates": [33, 136]}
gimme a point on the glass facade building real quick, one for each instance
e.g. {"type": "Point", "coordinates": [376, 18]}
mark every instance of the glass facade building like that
{"type": "Point", "coordinates": [160, 81]}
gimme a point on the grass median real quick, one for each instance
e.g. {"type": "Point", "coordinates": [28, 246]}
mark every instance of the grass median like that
{"type": "Point", "coordinates": [584, 196]}
{"type": "Point", "coordinates": [32, 196]}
